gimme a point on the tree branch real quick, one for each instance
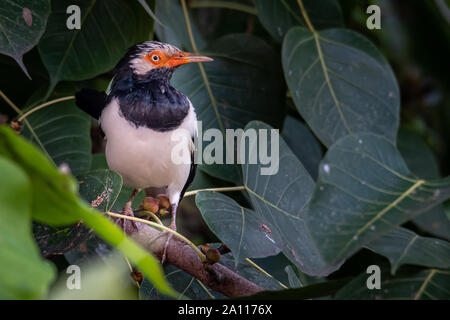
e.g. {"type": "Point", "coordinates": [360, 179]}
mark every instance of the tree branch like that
{"type": "Point", "coordinates": [217, 277]}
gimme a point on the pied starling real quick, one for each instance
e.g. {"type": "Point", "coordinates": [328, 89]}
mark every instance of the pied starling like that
{"type": "Point", "coordinates": [139, 116]}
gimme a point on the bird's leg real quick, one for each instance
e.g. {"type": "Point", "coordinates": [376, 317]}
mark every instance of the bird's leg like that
{"type": "Point", "coordinates": [127, 210]}
{"type": "Point", "coordinates": [127, 225]}
{"type": "Point", "coordinates": [172, 226]}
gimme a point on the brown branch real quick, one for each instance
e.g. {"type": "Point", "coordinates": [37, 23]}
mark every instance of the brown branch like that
{"type": "Point", "coordinates": [217, 277]}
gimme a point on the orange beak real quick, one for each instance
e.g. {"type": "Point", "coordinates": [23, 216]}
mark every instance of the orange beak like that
{"type": "Point", "coordinates": [186, 57]}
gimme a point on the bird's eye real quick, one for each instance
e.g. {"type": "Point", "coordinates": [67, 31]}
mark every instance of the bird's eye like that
{"type": "Point", "coordinates": [155, 57]}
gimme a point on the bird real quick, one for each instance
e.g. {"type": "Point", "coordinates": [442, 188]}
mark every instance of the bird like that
{"type": "Point", "coordinates": [139, 115]}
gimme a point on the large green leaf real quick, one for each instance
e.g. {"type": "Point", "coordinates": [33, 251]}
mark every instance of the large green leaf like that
{"type": "Point", "coordinates": [172, 28]}
{"type": "Point", "coordinates": [23, 274]}
{"type": "Point", "coordinates": [422, 162]}
{"type": "Point", "coordinates": [107, 278]}
{"type": "Point", "coordinates": [110, 27]}
{"type": "Point", "coordinates": [278, 201]}
{"type": "Point", "coordinates": [410, 284]}
{"type": "Point", "coordinates": [55, 202]}
{"type": "Point", "coordinates": [278, 16]}
{"type": "Point", "coordinates": [304, 145]}
{"type": "Point", "coordinates": [22, 23]}
{"type": "Point", "coordinates": [403, 246]}
{"type": "Point", "coordinates": [340, 83]}
{"type": "Point", "coordinates": [226, 218]}
{"type": "Point", "coordinates": [364, 190]}
{"type": "Point", "coordinates": [64, 132]}
{"type": "Point", "coordinates": [243, 83]}
{"type": "Point", "coordinates": [100, 188]}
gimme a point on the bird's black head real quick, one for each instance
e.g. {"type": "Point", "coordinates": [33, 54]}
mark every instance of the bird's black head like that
{"type": "Point", "coordinates": [153, 60]}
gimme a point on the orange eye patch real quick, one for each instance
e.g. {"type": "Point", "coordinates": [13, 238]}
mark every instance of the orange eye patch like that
{"type": "Point", "coordinates": [156, 57]}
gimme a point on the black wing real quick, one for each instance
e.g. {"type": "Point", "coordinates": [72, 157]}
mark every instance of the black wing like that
{"type": "Point", "coordinates": [91, 101]}
{"type": "Point", "coordinates": [191, 173]}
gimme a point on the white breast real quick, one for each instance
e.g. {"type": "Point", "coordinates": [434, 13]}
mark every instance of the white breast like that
{"type": "Point", "coordinates": [142, 156]}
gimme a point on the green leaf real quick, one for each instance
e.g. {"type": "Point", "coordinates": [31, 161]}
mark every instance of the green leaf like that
{"type": "Point", "coordinates": [278, 16]}
{"type": "Point", "coordinates": [243, 83]}
{"type": "Point", "coordinates": [64, 131]}
{"type": "Point", "coordinates": [187, 285]}
{"type": "Point", "coordinates": [340, 84]}
{"type": "Point", "coordinates": [304, 145]}
{"type": "Point", "coordinates": [278, 201]}
{"type": "Point", "coordinates": [23, 274]}
{"type": "Point", "coordinates": [107, 278]}
{"type": "Point", "coordinates": [100, 188]}
{"type": "Point", "coordinates": [173, 28]}
{"type": "Point", "coordinates": [227, 219]}
{"type": "Point", "coordinates": [422, 162]}
{"type": "Point", "coordinates": [403, 246]}
{"type": "Point", "coordinates": [55, 202]}
{"type": "Point", "coordinates": [110, 27]}
{"type": "Point", "coordinates": [364, 190]}
{"type": "Point", "coordinates": [247, 271]}
{"type": "Point", "coordinates": [409, 284]}
{"type": "Point", "coordinates": [22, 23]}
{"type": "Point", "coordinates": [294, 281]}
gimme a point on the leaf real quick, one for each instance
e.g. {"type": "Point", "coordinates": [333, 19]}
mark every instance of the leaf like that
{"type": "Point", "coordinates": [294, 281]}
{"type": "Point", "coordinates": [187, 285]}
{"type": "Point", "coordinates": [227, 219]}
{"type": "Point", "coordinates": [100, 188]}
{"type": "Point", "coordinates": [314, 291]}
{"type": "Point", "coordinates": [58, 240]}
{"type": "Point", "coordinates": [340, 84]}
{"type": "Point", "coordinates": [422, 162]}
{"type": "Point", "coordinates": [278, 201]}
{"type": "Point", "coordinates": [64, 131]}
{"type": "Point", "coordinates": [173, 26]}
{"type": "Point", "coordinates": [100, 279]}
{"type": "Point", "coordinates": [364, 190]}
{"type": "Point", "coordinates": [243, 83]}
{"type": "Point", "coordinates": [247, 271]}
{"type": "Point", "coordinates": [110, 27]}
{"type": "Point", "coordinates": [409, 284]}
{"type": "Point", "coordinates": [278, 16]}
{"type": "Point", "coordinates": [55, 202]}
{"type": "Point", "coordinates": [23, 274]}
{"type": "Point", "coordinates": [22, 24]}
{"type": "Point", "coordinates": [304, 145]}
{"type": "Point", "coordinates": [90, 248]}
{"type": "Point", "coordinates": [403, 246]}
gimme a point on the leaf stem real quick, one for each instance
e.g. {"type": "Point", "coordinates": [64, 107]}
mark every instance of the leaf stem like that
{"type": "Point", "coordinates": [200, 66]}
{"type": "Point", "coordinates": [305, 16]}
{"type": "Point", "coordinates": [19, 112]}
{"type": "Point", "coordinates": [264, 272]}
{"type": "Point", "coordinates": [224, 189]}
{"type": "Point", "coordinates": [162, 227]}
{"type": "Point", "coordinates": [206, 289]}
{"type": "Point", "coordinates": [41, 106]}
{"type": "Point", "coordinates": [154, 216]}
